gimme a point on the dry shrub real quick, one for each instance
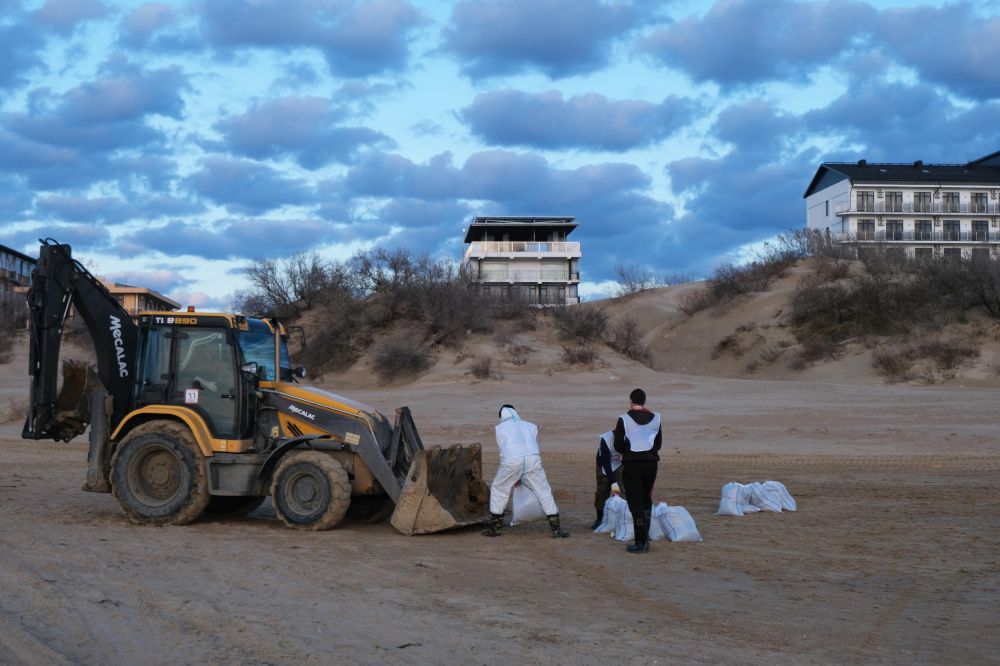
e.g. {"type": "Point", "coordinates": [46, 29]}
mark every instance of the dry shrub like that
{"type": "Point", "coordinates": [482, 368]}
{"type": "Point", "coordinates": [626, 340]}
{"type": "Point", "coordinates": [947, 355]}
{"type": "Point", "coordinates": [813, 350]}
{"type": "Point", "coordinates": [770, 354]}
{"type": "Point", "coordinates": [895, 367]}
{"type": "Point", "coordinates": [518, 354]}
{"type": "Point", "coordinates": [730, 343]}
{"type": "Point", "coordinates": [583, 354]}
{"type": "Point", "coordinates": [399, 357]}
{"type": "Point", "coordinates": [583, 323]}
{"type": "Point", "coordinates": [696, 301]}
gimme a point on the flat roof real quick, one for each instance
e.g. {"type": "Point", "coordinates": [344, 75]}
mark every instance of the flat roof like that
{"type": "Point", "coordinates": [9, 250]}
{"type": "Point", "coordinates": [567, 223]}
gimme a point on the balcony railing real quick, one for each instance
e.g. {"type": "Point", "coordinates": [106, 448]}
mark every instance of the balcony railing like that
{"type": "Point", "coordinates": [934, 208]}
{"type": "Point", "coordinates": [527, 247]}
{"type": "Point", "coordinates": [527, 276]}
{"type": "Point", "coordinates": [925, 237]}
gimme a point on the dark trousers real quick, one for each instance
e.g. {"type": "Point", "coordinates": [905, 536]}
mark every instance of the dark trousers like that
{"type": "Point", "coordinates": [603, 491]}
{"type": "Point", "coordinates": [638, 478]}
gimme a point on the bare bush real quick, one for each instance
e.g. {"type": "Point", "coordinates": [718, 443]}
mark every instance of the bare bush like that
{"type": "Point", "coordinates": [581, 354]}
{"type": "Point", "coordinates": [696, 301]}
{"type": "Point", "coordinates": [518, 354]}
{"type": "Point", "coordinates": [730, 343]}
{"type": "Point", "coordinates": [627, 340]}
{"type": "Point", "coordinates": [894, 366]}
{"type": "Point", "coordinates": [582, 323]}
{"type": "Point", "coordinates": [813, 350]}
{"type": "Point", "coordinates": [947, 355]}
{"type": "Point", "coordinates": [482, 368]}
{"type": "Point", "coordinates": [399, 357]}
{"type": "Point", "coordinates": [288, 287]}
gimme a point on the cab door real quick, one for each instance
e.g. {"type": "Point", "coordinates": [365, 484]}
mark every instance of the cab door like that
{"type": "Point", "coordinates": [205, 378]}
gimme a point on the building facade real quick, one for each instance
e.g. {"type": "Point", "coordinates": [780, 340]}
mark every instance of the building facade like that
{"type": "Point", "coordinates": [524, 258]}
{"type": "Point", "coordinates": [139, 299]}
{"type": "Point", "coordinates": [15, 278]}
{"type": "Point", "coordinates": [916, 209]}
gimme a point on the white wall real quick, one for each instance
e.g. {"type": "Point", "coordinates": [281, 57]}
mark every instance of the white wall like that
{"type": "Point", "coordinates": [819, 204]}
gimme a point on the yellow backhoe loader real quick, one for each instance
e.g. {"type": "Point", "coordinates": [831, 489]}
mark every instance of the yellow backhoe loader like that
{"type": "Point", "coordinates": [193, 413]}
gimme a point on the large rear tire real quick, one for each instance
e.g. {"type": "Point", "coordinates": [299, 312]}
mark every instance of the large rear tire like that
{"type": "Point", "coordinates": [310, 491]}
{"type": "Point", "coordinates": [158, 475]}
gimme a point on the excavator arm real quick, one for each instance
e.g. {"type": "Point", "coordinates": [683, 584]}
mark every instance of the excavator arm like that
{"type": "Point", "coordinates": [58, 282]}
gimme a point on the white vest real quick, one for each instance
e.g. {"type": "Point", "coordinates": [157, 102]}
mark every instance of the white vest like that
{"type": "Point", "coordinates": [609, 441]}
{"type": "Point", "coordinates": [517, 439]}
{"type": "Point", "coordinates": [641, 437]}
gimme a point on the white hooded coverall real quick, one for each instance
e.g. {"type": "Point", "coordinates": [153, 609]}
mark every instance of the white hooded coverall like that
{"type": "Point", "coordinates": [519, 461]}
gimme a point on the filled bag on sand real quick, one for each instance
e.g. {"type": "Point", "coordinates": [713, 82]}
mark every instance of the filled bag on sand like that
{"type": "Point", "coordinates": [729, 504]}
{"type": "Point", "coordinates": [765, 498]}
{"type": "Point", "coordinates": [614, 508]}
{"type": "Point", "coordinates": [525, 507]}
{"type": "Point", "coordinates": [625, 531]}
{"type": "Point", "coordinates": [786, 499]}
{"type": "Point", "coordinates": [745, 500]}
{"type": "Point", "coordinates": [655, 526]}
{"type": "Point", "coordinates": [678, 524]}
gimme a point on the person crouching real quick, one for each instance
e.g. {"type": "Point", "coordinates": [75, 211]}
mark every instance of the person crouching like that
{"type": "Point", "coordinates": [519, 461]}
{"type": "Point", "coordinates": [608, 475]}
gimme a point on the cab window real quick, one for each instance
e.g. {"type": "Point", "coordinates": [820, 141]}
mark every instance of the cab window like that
{"type": "Point", "coordinates": [258, 347]}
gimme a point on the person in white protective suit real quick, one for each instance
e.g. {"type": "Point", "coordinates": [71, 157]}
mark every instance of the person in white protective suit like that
{"type": "Point", "coordinates": [520, 462]}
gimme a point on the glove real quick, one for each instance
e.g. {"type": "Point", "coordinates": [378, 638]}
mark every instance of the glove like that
{"type": "Point", "coordinates": [615, 490]}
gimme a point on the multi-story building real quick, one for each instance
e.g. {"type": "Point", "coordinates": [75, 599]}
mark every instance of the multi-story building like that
{"type": "Point", "coordinates": [922, 210]}
{"type": "Point", "coordinates": [525, 258]}
{"type": "Point", "coordinates": [15, 278]}
{"type": "Point", "coordinates": [139, 299]}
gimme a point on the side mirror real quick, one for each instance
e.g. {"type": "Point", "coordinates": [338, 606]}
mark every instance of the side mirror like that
{"type": "Point", "coordinates": [250, 368]}
{"type": "Point", "coordinates": [300, 372]}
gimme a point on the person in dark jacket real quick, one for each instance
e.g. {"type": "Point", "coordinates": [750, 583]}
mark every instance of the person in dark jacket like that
{"type": "Point", "coordinates": [608, 475]}
{"type": "Point", "coordinates": [638, 437]}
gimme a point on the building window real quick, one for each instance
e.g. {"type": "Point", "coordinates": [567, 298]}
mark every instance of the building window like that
{"type": "Point", "coordinates": [866, 230]}
{"type": "Point", "coordinates": [923, 253]}
{"type": "Point", "coordinates": [828, 208]}
{"type": "Point", "coordinates": [922, 230]}
{"type": "Point", "coordinates": [951, 230]}
{"type": "Point", "coordinates": [866, 201]}
{"type": "Point", "coordinates": [953, 253]}
{"type": "Point", "coordinates": [980, 254]}
{"type": "Point", "coordinates": [894, 202]}
{"type": "Point", "coordinates": [894, 230]}
{"type": "Point", "coordinates": [922, 202]}
{"type": "Point", "coordinates": [949, 202]}
{"type": "Point", "coordinates": [979, 202]}
{"type": "Point", "coordinates": [980, 230]}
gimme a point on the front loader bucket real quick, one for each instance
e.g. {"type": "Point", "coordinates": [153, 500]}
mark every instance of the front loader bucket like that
{"type": "Point", "coordinates": [444, 489]}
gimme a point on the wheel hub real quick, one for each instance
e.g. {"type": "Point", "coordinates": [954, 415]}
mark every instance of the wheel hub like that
{"type": "Point", "coordinates": [157, 476]}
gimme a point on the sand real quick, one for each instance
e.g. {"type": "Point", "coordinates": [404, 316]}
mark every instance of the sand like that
{"type": "Point", "coordinates": [893, 556]}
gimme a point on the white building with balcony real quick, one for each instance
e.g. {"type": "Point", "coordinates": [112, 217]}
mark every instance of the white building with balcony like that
{"type": "Point", "coordinates": [524, 258]}
{"type": "Point", "coordinates": [922, 210]}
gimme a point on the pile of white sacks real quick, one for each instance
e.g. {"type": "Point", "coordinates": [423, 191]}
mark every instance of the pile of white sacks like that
{"type": "Point", "coordinates": [672, 522]}
{"type": "Point", "coordinates": [739, 499]}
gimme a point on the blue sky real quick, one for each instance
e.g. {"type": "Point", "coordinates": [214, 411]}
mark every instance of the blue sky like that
{"type": "Point", "coordinates": [174, 142]}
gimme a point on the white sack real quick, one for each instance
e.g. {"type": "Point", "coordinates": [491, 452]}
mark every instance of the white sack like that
{"type": "Point", "coordinates": [625, 531]}
{"type": "Point", "coordinates": [614, 508]}
{"type": "Point", "coordinates": [765, 498]}
{"type": "Point", "coordinates": [655, 526]}
{"type": "Point", "coordinates": [525, 507]}
{"type": "Point", "coordinates": [729, 503]}
{"type": "Point", "coordinates": [678, 524]}
{"type": "Point", "coordinates": [787, 501]}
{"type": "Point", "coordinates": [745, 500]}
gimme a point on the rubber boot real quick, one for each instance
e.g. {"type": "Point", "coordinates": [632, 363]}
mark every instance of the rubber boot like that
{"type": "Point", "coordinates": [641, 528]}
{"type": "Point", "coordinates": [648, 515]}
{"type": "Point", "coordinates": [557, 531]}
{"type": "Point", "coordinates": [496, 525]}
{"type": "Point", "coordinates": [600, 519]}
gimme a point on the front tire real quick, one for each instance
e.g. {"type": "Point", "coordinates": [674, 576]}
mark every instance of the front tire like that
{"type": "Point", "coordinates": [158, 475]}
{"type": "Point", "coordinates": [310, 491]}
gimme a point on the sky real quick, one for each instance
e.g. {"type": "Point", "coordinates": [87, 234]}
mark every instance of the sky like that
{"type": "Point", "coordinates": [174, 143]}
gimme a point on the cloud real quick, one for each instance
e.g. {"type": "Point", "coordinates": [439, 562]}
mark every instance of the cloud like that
{"type": "Point", "coordinates": [247, 187]}
{"type": "Point", "coordinates": [15, 199]}
{"type": "Point", "coordinates": [756, 126]}
{"type": "Point", "coordinates": [357, 38]}
{"type": "Point", "coordinates": [546, 120]}
{"type": "Point", "coordinates": [556, 37]}
{"type": "Point", "coordinates": [144, 21]}
{"type": "Point", "coordinates": [109, 210]}
{"type": "Point", "coordinates": [20, 46]}
{"type": "Point", "coordinates": [105, 114]}
{"type": "Point", "coordinates": [952, 46]}
{"type": "Point", "coordinates": [434, 228]}
{"type": "Point", "coordinates": [740, 42]}
{"type": "Point", "coordinates": [80, 236]}
{"type": "Point", "coordinates": [230, 239]}
{"type": "Point", "coordinates": [63, 16]}
{"type": "Point", "coordinates": [304, 128]}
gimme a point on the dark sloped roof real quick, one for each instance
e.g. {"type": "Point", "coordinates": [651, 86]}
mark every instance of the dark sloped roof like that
{"type": "Point", "coordinates": [984, 170]}
{"type": "Point", "coordinates": [9, 250]}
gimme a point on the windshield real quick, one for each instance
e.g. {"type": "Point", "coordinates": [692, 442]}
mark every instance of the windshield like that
{"type": "Point", "coordinates": [258, 347]}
